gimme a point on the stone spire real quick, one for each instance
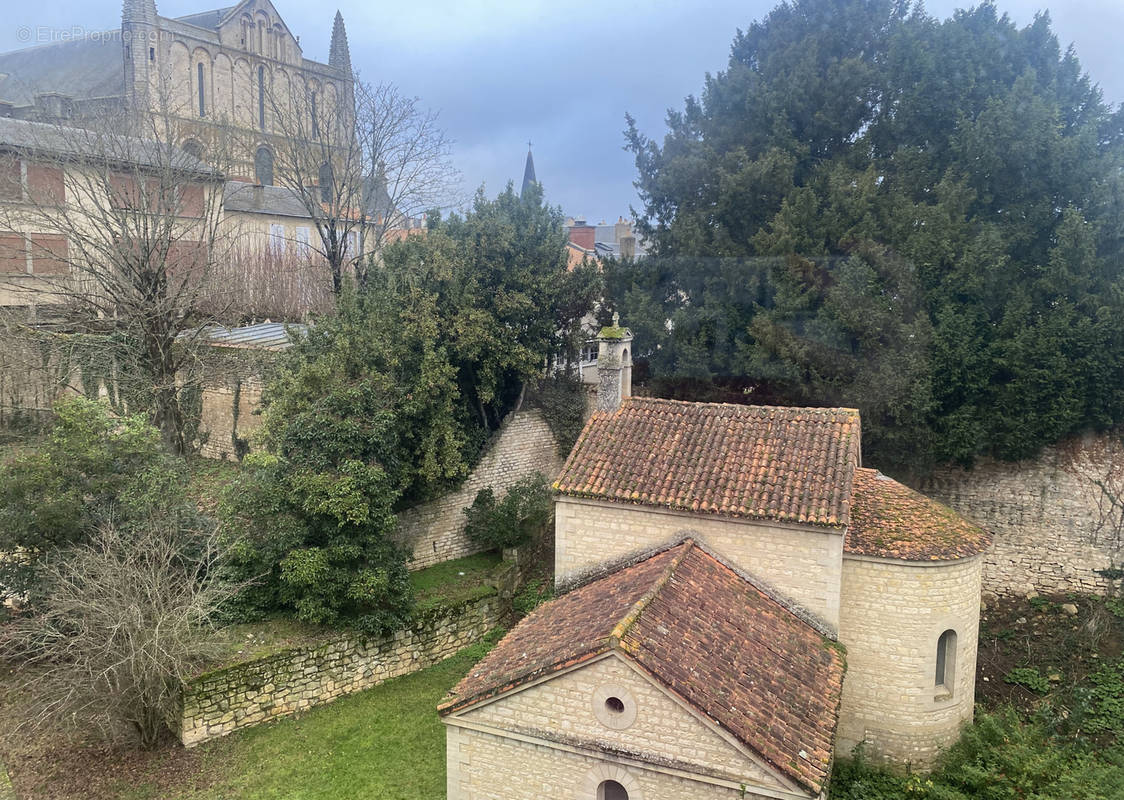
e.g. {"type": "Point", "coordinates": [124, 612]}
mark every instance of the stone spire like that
{"type": "Point", "coordinates": [528, 172]}
{"type": "Point", "coordinates": [339, 55]}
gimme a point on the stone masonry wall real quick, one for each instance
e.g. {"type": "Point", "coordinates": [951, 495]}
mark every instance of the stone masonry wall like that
{"type": "Point", "coordinates": [482, 764]}
{"type": "Point", "coordinates": [803, 563]}
{"type": "Point", "coordinates": [661, 730]}
{"type": "Point", "coordinates": [434, 531]}
{"type": "Point", "coordinates": [893, 613]}
{"type": "Point", "coordinates": [1052, 529]}
{"type": "Point", "coordinates": [247, 694]}
{"type": "Point", "coordinates": [232, 383]}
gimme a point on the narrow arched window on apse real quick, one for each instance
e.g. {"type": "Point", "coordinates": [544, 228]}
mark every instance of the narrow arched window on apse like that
{"type": "Point", "coordinates": [327, 181]}
{"type": "Point", "coordinates": [611, 790]}
{"type": "Point", "coordinates": [202, 96]}
{"type": "Point", "coordinates": [261, 98]}
{"type": "Point", "coordinates": [946, 661]}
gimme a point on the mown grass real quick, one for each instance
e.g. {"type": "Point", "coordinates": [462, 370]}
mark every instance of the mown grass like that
{"type": "Point", "coordinates": [453, 582]}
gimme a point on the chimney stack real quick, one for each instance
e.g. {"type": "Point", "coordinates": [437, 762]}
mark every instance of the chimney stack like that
{"type": "Point", "coordinates": [583, 234]}
{"type": "Point", "coordinates": [614, 366]}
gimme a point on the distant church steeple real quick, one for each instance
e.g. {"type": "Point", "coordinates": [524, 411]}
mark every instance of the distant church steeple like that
{"type": "Point", "coordinates": [339, 55]}
{"type": "Point", "coordinates": [528, 172]}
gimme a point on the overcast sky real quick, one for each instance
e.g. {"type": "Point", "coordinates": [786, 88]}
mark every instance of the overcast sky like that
{"type": "Point", "coordinates": [561, 75]}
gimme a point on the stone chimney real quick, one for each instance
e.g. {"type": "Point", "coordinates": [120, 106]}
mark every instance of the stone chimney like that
{"type": "Point", "coordinates": [614, 366]}
{"type": "Point", "coordinates": [621, 229]}
{"type": "Point", "coordinates": [583, 234]}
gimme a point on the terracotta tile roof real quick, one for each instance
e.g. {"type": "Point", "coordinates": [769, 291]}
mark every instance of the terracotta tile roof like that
{"type": "Point", "coordinates": [889, 520]}
{"type": "Point", "coordinates": [766, 462]}
{"type": "Point", "coordinates": [705, 633]}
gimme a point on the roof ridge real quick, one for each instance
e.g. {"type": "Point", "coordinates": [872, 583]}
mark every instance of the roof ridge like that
{"type": "Point", "coordinates": [712, 403]}
{"type": "Point", "coordinates": [621, 629]}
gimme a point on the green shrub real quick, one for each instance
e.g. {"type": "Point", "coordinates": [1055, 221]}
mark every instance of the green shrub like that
{"type": "Point", "coordinates": [513, 521]}
{"type": "Point", "coordinates": [531, 596]}
{"type": "Point", "coordinates": [1000, 756]}
{"type": "Point", "coordinates": [1029, 678]}
{"type": "Point", "coordinates": [92, 468]}
{"type": "Point", "coordinates": [1102, 702]}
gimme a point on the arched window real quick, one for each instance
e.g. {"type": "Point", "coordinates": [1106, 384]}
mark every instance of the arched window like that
{"type": "Point", "coordinates": [946, 661]}
{"type": "Point", "coordinates": [261, 98]}
{"type": "Point", "coordinates": [326, 181]}
{"type": "Point", "coordinates": [315, 118]}
{"type": "Point", "coordinates": [263, 166]}
{"type": "Point", "coordinates": [202, 99]}
{"type": "Point", "coordinates": [611, 790]}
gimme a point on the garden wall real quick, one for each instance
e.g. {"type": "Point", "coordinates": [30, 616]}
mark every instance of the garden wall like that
{"type": "Point", "coordinates": [434, 531]}
{"type": "Point", "coordinates": [1054, 523]}
{"type": "Point", "coordinates": [231, 398]}
{"type": "Point", "coordinates": [253, 692]}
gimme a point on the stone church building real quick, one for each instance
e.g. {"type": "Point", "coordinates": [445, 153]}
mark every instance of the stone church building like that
{"type": "Point", "coordinates": [740, 601]}
{"type": "Point", "coordinates": [232, 69]}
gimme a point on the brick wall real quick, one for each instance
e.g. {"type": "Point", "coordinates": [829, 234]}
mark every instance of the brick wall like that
{"type": "Point", "coordinates": [253, 692]}
{"type": "Point", "coordinates": [893, 613]}
{"type": "Point", "coordinates": [801, 562]}
{"type": "Point", "coordinates": [1045, 514]}
{"type": "Point", "coordinates": [434, 531]}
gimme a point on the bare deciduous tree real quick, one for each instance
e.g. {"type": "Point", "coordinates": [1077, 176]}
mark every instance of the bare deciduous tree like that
{"type": "Point", "coordinates": [365, 167]}
{"type": "Point", "coordinates": [119, 235]}
{"type": "Point", "coordinates": [127, 621]}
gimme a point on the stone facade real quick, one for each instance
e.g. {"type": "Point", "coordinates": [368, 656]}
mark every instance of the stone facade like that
{"type": "Point", "coordinates": [802, 563]}
{"type": "Point", "coordinates": [232, 385]}
{"type": "Point", "coordinates": [664, 750]}
{"type": "Point", "coordinates": [892, 616]}
{"type": "Point", "coordinates": [252, 692]}
{"type": "Point", "coordinates": [434, 531]}
{"type": "Point", "coordinates": [1052, 532]}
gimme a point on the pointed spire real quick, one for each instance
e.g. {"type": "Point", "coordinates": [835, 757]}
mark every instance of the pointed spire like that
{"type": "Point", "coordinates": [528, 172]}
{"type": "Point", "coordinates": [339, 55]}
{"type": "Point", "coordinates": [138, 11]}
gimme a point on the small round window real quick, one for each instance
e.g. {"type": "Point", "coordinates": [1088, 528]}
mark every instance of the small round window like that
{"type": "Point", "coordinates": [614, 707]}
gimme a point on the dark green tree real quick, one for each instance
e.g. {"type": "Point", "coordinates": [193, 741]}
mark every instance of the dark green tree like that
{"type": "Point", "coordinates": [389, 401]}
{"type": "Point", "coordinates": [506, 302]}
{"type": "Point", "coordinates": [970, 153]}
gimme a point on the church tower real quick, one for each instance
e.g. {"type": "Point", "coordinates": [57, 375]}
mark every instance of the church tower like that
{"type": "Point", "coordinates": [339, 55]}
{"type": "Point", "coordinates": [528, 172]}
{"type": "Point", "coordinates": [139, 40]}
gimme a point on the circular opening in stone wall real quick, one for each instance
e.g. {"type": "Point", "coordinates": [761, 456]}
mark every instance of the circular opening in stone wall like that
{"type": "Point", "coordinates": [614, 705]}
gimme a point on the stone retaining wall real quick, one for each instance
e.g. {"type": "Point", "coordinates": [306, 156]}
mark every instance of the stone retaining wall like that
{"type": "Point", "coordinates": [249, 693]}
{"type": "Point", "coordinates": [434, 531]}
{"type": "Point", "coordinates": [1053, 529]}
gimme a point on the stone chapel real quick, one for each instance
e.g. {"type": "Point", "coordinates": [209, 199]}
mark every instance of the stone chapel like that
{"type": "Point", "coordinates": [740, 601]}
